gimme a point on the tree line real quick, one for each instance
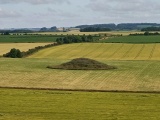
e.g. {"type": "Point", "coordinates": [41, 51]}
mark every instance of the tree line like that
{"type": "Point", "coordinates": [94, 29]}
{"type": "Point", "coordinates": [145, 33]}
{"type": "Point", "coordinates": [151, 29]}
{"type": "Point", "coordinates": [75, 39]}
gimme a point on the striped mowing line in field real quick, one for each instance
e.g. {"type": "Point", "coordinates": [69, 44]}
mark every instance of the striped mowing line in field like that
{"type": "Point", "coordinates": [102, 51]}
{"type": "Point", "coordinates": [145, 53]}
{"type": "Point", "coordinates": [66, 51]}
{"type": "Point", "coordinates": [93, 53]}
{"type": "Point", "coordinates": [115, 52]}
{"type": "Point", "coordinates": [152, 51]}
{"type": "Point", "coordinates": [126, 55]}
{"type": "Point", "coordinates": [104, 48]}
{"type": "Point", "coordinates": [50, 52]}
{"type": "Point", "coordinates": [138, 54]}
{"type": "Point", "coordinates": [133, 52]}
{"type": "Point", "coordinates": [73, 53]}
{"type": "Point", "coordinates": [109, 52]}
{"type": "Point", "coordinates": [88, 50]}
{"type": "Point", "coordinates": [69, 52]}
{"type": "Point", "coordinates": [156, 53]}
{"type": "Point", "coordinates": [121, 51]}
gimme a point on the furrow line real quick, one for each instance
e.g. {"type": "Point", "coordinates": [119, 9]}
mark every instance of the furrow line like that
{"type": "Point", "coordinates": [152, 51]}
{"type": "Point", "coordinates": [116, 51]}
{"type": "Point", "coordinates": [140, 51]}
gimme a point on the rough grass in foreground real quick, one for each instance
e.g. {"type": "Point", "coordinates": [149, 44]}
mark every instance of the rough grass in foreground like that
{"type": "Point", "coordinates": [83, 64]}
{"type": "Point", "coordinates": [60, 105]}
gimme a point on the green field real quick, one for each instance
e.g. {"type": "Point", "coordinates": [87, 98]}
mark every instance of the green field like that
{"type": "Point", "coordinates": [133, 39]}
{"type": "Point", "coordinates": [33, 38]}
{"type": "Point", "coordinates": [55, 105]}
{"type": "Point", "coordinates": [27, 38]}
{"type": "Point", "coordinates": [102, 51]}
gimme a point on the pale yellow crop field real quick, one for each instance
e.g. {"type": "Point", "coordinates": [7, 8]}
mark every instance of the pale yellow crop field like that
{"type": "Point", "coordinates": [90, 33]}
{"type": "Point", "coordinates": [102, 51]}
{"type": "Point", "coordinates": [6, 47]}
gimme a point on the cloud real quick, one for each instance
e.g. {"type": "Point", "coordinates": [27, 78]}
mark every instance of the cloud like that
{"type": "Point", "coordinates": [34, 2]}
{"type": "Point", "coordinates": [132, 7]}
{"type": "Point", "coordinates": [9, 14]}
{"type": "Point", "coordinates": [61, 13]}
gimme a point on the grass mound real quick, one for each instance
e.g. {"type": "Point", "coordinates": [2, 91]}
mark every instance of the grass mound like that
{"type": "Point", "coordinates": [83, 64]}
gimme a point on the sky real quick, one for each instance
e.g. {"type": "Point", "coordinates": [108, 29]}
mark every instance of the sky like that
{"type": "Point", "coordinates": [70, 13]}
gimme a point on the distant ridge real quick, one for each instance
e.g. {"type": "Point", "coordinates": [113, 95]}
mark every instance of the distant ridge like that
{"type": "Point", "coordinates": [122, 26]}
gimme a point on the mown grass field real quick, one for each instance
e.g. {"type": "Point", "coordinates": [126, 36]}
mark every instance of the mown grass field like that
{"type": "Point", "coordinates": [27, 38]}
{"type": "Point", "coordinates": [32, 73]}
{"type": "Point", "coordinates": [57, 105]}
{"type": "Point", "coordinates": [40, 38]}
{"type": "Point", "coordinates": [6, 47]}
{"type": "Point", "coordinates": [102, 51]}
{"type": "Point", "coordinates": [133, 39]}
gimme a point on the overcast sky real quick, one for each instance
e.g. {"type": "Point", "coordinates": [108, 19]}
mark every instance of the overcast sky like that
{"type": "Point", "coordinates": [40, 13]}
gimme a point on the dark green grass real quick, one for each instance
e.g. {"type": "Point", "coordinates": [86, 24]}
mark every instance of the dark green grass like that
{"type": "Point", "coordinates": [27, 38]}
{"type": "Point", "coordinates": [133, 39]}
{"type": "Point", "coordinates": [32, 38]}
{"type": "Point", "coordinates": [17, 104]}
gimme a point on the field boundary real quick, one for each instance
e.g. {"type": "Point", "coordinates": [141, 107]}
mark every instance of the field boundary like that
{"type": "Point", "coordinates": [82, 90]}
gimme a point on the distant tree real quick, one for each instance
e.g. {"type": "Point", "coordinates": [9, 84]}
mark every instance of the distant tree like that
{"type": "Point", "coordinates": [89, 38]}
{"type": "Point", "coordinates": [43, 29]}
{"type": "Point", "coordinates": [59, 41]}
{"type": "Point", "coordinates": [94, 29]}
{"type": "Point", "coordinates": [146, 33]}
{"type": "Point", "coordinates": [6, 33]}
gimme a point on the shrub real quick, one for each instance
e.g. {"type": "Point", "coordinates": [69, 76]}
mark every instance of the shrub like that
{"type": "Point", "coordinates": [14, 53]}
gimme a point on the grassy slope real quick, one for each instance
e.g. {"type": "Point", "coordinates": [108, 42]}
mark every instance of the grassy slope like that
{"type": "Point", "coordinates": [130, 75]}
{"type": "Point", "coordinates": [133, 39]}
{"type": "Point", "coordinates": [6, 47]}
{"type": "Point", "coordinates": [101, 51]}
{"type": "Point", "coordinates": [55, 105]}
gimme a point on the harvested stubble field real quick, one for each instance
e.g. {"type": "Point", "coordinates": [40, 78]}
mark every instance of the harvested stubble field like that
{"type": "Point", "coordinates": [32, 73]}
{"type": "Point", "coordinates": [124, 33]}
{"type": "Point", "coordinates": [64, 105]}
{"type": "Point", "coordinates": [102, 51]}
{"type": "Point", "coordinates": [6, 47]}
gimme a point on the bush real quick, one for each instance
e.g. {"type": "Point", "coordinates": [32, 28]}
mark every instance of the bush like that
{"type": "Point", "coordinates": [75, 39]}
{"type": "Point", "coordinates": [14, 53]}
